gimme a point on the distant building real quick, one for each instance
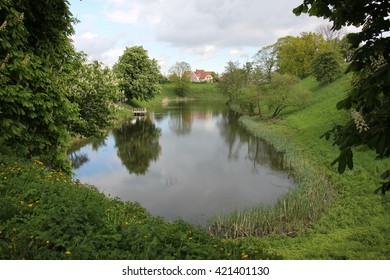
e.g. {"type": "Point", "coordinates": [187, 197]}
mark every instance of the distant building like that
{"type": "Point", "coordinates": [200, 76]}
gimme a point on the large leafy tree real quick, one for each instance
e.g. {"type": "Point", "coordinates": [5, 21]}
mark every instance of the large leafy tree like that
{"type": "Point", "coordinates": [369, 97]}
{"type": "Point", "coordinates": [138, 74]}
{"type": "Point", "coordinates": [295, 54]}
{"type": "Point", "coordinates": [35, 55]}
{"type": "Point", "coordinates": [233, 82]}
{"type": "Point", "coordinates": [266, 59]}
{"type": "Point", "coordinates": [95, 91]}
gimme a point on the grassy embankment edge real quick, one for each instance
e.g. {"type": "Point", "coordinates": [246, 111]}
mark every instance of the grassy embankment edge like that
{"type": "Point", "coordinates": [330, 216]}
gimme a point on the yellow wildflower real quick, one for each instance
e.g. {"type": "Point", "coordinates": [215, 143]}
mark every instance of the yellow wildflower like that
{"type": "Point", "coordinates": [68, 253]}
{"type": "Point", "coordinates": [30, 205]}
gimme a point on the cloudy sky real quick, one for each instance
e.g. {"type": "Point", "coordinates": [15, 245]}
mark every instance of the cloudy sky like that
{"type": "Point", "coordinates": [204, 33]}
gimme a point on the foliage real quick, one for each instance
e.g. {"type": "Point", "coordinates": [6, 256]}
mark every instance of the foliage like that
{"type": "Point", "coordinates": [180, 75]}
{"type": "Point", "coordinates": [330, 35]}
{"type": "Point", "coordinates": [266, 60]}
{"type": "Point", "coordinates": [35, 55]}
{"type": "Point", "coordinates": [326, 66]}
{"type": "Point", "coordinates": [249, 100]}
{"type": "Point", "coordinates": [138, 74]}
{"type": "Point", "coordinates": [233, 81]}
{"type": "Point", "coordinates": [339, 217]}
{"type": "Point", "coordinates": [369, 97]}
{"type": "Point", "coordinates": [94, 91]}
{"type": "Point", "coordinates": [284, 91]}
{"type": "Point", "coordinates": [50, 217]}
{"type": "Point", "coordinates": [296, 54]}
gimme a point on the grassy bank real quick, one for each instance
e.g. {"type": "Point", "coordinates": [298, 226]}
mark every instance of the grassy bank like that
{"type": "Point", "coordinates": [197, 91]}
{"type": "Point", "coordinates": [44, 215]}
{"type": "Point", "coordinates": [340, 217]}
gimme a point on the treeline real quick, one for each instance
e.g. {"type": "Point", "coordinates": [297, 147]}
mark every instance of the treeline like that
{"type": "Point", "coordinates": [270, 80]}
{"type": "Point", "coordinates": [50, 93]}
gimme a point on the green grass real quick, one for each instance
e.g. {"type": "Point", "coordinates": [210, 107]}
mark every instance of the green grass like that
{"type": "Point", "coordinates": [44, 215]}
{"type": "Point", "coordinates": [355, 223]}
{"type": "Point", "coordinates": [197, 91]}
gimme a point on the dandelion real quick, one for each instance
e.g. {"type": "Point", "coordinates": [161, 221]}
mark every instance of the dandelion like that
{"type": "Point", "coordinates": [47, 242]}
{"type": "Point", "coordinates": [189, 238]}
{"type": "Point", "coordinates": [30, 205]}
{"type": "Point", "coordinates": [38, 162]}
{"type": "Point", "coordinates": [126, 222]}
{"type": "Point", "coordinates": [68, 253]}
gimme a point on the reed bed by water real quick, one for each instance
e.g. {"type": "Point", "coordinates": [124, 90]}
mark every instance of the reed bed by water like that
{"type": "Point", "coordinates": [299, 208]}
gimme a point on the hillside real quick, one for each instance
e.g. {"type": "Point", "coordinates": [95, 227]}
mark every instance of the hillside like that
{"type": "Point", "coordinates": [355, 225]}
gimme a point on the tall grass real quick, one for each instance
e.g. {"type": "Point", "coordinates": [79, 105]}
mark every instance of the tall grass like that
{"type": "Point", "coordinates": [299, 208]}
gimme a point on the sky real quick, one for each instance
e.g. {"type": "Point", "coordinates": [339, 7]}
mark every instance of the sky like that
{"type": "Point", "coordinates": [207, 34]}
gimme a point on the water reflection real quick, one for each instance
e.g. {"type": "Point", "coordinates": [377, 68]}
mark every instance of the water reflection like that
{"type": "Point", "coordinates": [259, 152]}
{"type": "Point", "coordinates": [78, 158]}
{"type": "Point", "coordinates": [137, 144]}
{"type": "Point", "coordinates": [187, 160]}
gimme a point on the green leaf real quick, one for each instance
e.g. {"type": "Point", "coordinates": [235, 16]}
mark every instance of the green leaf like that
{"type": "Point", "coordinates": [349, 157]}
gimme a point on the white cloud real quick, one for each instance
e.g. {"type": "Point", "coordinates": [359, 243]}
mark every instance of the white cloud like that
{"type": "Point", "coordinates": [195, 31]}
{"type": "Point", "coordinates": [238, 53]}
{"type": "Point", "coordinates": [110, 57]}
{"type": "Point", "coordinates": [93, 44]}
{"type": "Point", "coordinates": [206, 51]}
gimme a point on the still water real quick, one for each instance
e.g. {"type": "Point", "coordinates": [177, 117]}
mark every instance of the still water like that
{"type": "Point", "coordinates": [186, 160]}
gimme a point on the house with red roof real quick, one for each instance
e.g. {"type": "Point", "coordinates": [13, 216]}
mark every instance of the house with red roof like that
{"type": "Point", "coordinates": [200, 76]}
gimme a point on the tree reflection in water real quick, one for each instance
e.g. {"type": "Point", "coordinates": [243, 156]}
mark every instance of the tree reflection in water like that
{"type": "Point", "coordinates": [77, 158]}
{"type": "Point", "coordinates": [137, 144]}
{"type": "Point", "coordinates": [259, 152]}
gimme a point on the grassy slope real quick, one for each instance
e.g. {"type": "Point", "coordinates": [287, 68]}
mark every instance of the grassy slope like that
{"type": "Point", "coordinates": [203, 91]}
{"type": "Point", "coordinates": [357, 224]}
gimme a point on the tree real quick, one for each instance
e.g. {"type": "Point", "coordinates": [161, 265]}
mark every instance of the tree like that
{"type": "Point", "coordinates": [233, 81]}
{"type": "Point", "coordinates": [326, 66]}
{"type": "Point", "coordinates": [180, 75]}
{"type": "Point", "coordinates": [35, 56]}
{"type": "Point", "coordinates": [331, 35]}
{"type": "Point", "coordinates": [369, 97]}
{"type": "Point", "coordinates": [283, 92]}
{"type": "Point", "coordinates": [138, 74]}
{"type": "Point", "coordinates": [266, 60]}
{"type": "Point", "coordinates": [295, 54]}
{"type": "Point", "coordinates": [94, 91]}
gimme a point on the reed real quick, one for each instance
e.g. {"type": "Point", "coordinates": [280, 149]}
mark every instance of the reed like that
{"type": "Point", "coordinates": [298, 209]}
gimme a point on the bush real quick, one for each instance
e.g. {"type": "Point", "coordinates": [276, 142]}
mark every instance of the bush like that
{"type": "Point", "coordinates": [327, 67]}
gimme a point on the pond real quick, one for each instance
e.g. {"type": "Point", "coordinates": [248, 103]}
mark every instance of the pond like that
{"type": "Point", "coordinates": [186, 160]}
